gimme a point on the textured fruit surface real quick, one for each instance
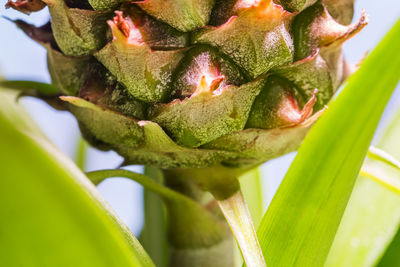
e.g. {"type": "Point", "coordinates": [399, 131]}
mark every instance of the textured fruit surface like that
{"type": "Point", "coordinates": [194, 83]}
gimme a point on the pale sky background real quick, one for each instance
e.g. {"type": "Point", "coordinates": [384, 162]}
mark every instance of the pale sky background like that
{"type": "Point", "coordinates": [21, 58]}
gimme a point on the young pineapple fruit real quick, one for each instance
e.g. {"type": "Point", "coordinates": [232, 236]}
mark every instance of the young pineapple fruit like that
{"type": "Point", "coordinates": [202, 89]}
{"type": "Point", "coordinates": [195, 83]}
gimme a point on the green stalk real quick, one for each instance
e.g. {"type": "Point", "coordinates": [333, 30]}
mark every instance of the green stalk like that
{"type": "Point", "coordinates": [238, 216]}
{"type": "Point", "coordinates": [251, 186]}
{"type": "Point", "coordinates": [197, 233]}
{"type": "Point", "coordinates": [223, 184]}
{"type": "Point", "coordinates": [42, 88]}
{"type": "Point", "coordinates": [196, 230]}
{"type": "Point", "coordinates": [154, 233]}
{"type": "Point", "coordinates": [198, 250]}
{"type": "Point", "coordinates": [81, 153]}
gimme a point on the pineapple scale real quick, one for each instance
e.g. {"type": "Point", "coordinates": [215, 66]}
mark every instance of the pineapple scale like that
{"type": "Point", "coordinates": [194, 83]}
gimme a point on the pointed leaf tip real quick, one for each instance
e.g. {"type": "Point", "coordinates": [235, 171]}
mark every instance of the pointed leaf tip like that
{"type": "Point", "coordinates": [26, 6]}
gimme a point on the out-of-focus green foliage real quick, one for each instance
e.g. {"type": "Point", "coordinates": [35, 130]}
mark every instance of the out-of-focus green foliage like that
{"type": "Point", "coordinates": [51, 215]}
{"type": "Point", "coordinates": [373, 214]}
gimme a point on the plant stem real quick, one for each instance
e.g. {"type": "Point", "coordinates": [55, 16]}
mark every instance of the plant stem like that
{"type": "Point", "coordinates": [154, 234]}
{"type": "Point", "coordinates": [223, 184]}
{"type": "Point", "coordinates": [251, 186]}
{"type": "Point", "coordinates": [197, 232]}
{"type": "Point", "coordinates": [238, 216]}
{"type": "Point", "coordinates": [201, 252]}
{"type": "Point", "coordinates": [81, 153]}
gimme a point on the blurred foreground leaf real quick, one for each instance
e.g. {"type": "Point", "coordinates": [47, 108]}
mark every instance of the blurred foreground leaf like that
{"type": "Point", "coordinates": [21, 86]}
{"type": "Point", "coordinates": [391, 257]}
{"type": "Point", "coordinates": [51, 215]}
{"type": "Point", "coordinates": [301, 222]}
{"type": "Point", "coordinates": [373, 214]}
{"type": "Point", "coordinates": [381, 155]}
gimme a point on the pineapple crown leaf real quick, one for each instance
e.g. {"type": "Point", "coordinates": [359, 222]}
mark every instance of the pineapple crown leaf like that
{"type": "Point", "coordinates": [184, 15]}
{"type": "Point", "coordinates": [149, 78]}
{"type": "Point", "coordinates": [296, 5]}
{"type": "Point", "coordinates": [26, 6]}
{"type": "Point", "coordinates": [255, 145]}
{"type": "Point", "coordinates": [315, 28]}
{"type": "Point", "coordinates": [106, 125]}
{"type": "Point", "coordinates": [206, 116]}
{"type": "Point", "coordinates": [257, 39]}
{"type": "Point", "coordinates": [341, 10]}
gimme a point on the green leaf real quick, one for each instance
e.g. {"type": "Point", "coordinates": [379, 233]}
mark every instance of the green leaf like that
{"type": "Point", "coordinates": [372, 216]}
{"type": "Point", "coordinates": [302, 220]}
{"type": "Point", "coordinates": [42, 88]}
{"type": "Point", "coordinates": [391, 138]}
{"type": "Point", "coordinates": [51, 214]}
{"type": "Point", "coordinates": [391, 257]}
{"type": "Point", "coordinates": [81, 153]}
{"type": "Point", "coordinates": [239, 219]}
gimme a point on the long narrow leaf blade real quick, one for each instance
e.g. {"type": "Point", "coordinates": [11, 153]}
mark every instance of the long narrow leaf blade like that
{"type": "Point", "coordinates": [391, 257]}
{"type": "Point", "coordinates": [51, 215]}
{"type": "Point", "coordinates": [369, 222]}
{"type": "Point", "coordinates": [301, 222]}
{"type": "Point", "coordinates": [373, 214]}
